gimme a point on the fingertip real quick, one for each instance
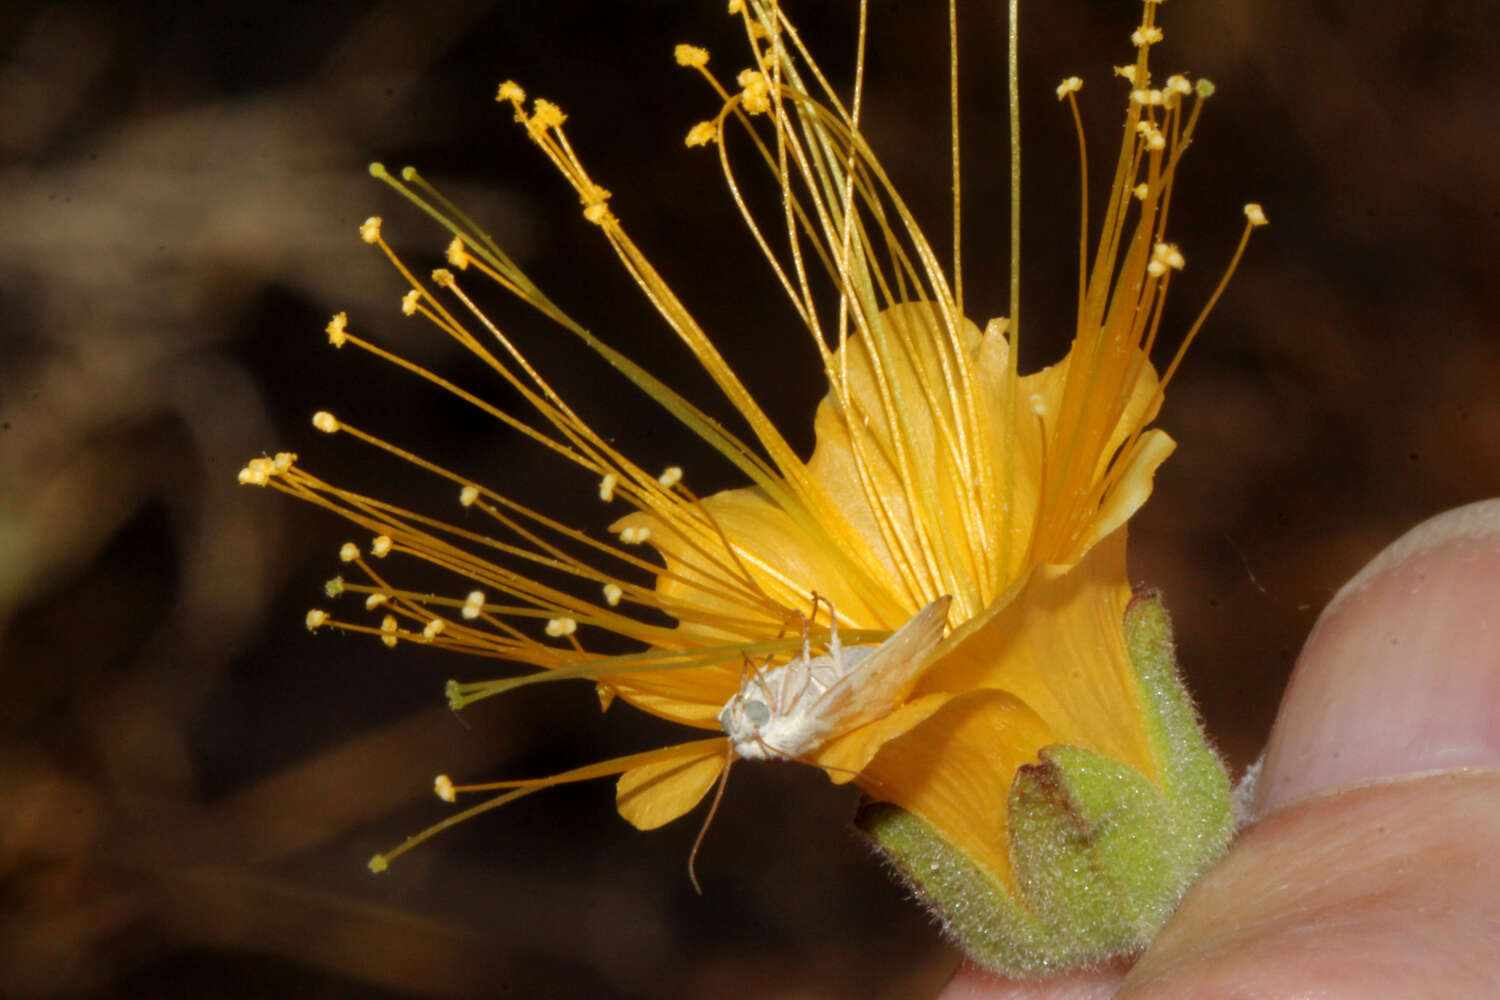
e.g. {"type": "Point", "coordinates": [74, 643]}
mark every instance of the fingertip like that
{"type": "Point", "coordinates": [1402, 671]}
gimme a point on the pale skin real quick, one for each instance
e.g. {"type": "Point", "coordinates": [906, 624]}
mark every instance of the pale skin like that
{"type": "Point", "coordinates": [1372, 870]}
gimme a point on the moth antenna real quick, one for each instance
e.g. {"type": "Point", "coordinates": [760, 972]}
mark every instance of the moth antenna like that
{"type": "Point", "coordinates": [713, 810]}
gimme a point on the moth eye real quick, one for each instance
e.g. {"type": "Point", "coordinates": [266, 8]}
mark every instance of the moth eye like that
{"type": "Point", "coordinates": [757, 713]}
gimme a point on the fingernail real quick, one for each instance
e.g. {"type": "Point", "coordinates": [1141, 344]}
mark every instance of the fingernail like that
{"type": "Point", "coordinates": [1402, 671]}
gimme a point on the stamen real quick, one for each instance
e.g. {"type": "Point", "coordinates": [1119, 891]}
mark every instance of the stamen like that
{"type": "Point", "coordinates": [671, 477]}
{"type": "Point", "coordinates": [702, 134]}
{"type": "Point", "coordinates": [557, 628]}
{"type": "Point", "coordinates": [1145, 35]}
{"type": "Point", "coordinates": [369, 230]}
{"type": "Point", "coordinates": [468, 495]}
{"type": "Point", "coordinates": [607, 487]}
{"type": "Point", "coordinates": [334, 587]}
{"type": "Point", "coordinates": [381, 546]}
{"type": "Point", "coordinates": [473, 605]}
{"type": "Point", "coordinates": [348, 552]}
{"type": "Point", "coordinates": [457, 255]}
{"type": "Point", "coordinates": [691, 56]}
{"type": "Point", "coordinates": [388, 631]}
{"type": "Point", "coordinates": [433, 629]}
{"type": "Point", "coordinates": [335, 329]}
{"type": "Point", "coordinates": [325, 422]}
{"type": "Point", "coordinates": [612, 594]}
{"type": "Point", "coordinates": [1255, 214]}
{"type": "Point", "coordinates": [442, 785]}
{"type": "Point", "coordinates": [1071, 85]}
{"type": "Point", "coordinates": [315, 619]}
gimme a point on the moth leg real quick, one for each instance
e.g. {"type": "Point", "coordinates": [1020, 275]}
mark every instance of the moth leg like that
{"type": "Point", "coordinates": [760, 681]}
{"type": "Point", "coordinates": [833, 624]}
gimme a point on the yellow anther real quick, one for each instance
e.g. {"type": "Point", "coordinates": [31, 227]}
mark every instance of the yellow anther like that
{"type": "Point", "coordinates": [1038, 404]}
{"type": "Point", "coordinates": [607, 487]}
{"type": "Point", "coordinates": [433, 629]}
{"type": "Point", "coordinates": [378, 864]}
{"type": "Point", "coordinates": [375, 600]}
{"type": "Point", "coordinates": [596, 212]}
{"type": "Point", "coordinates": [612, 594]}
{"type": "Point", "coordinates": [348, 552]}
{"type": "Point", "coordinates": [1071, 85]}
{"type": "Point", "coordinates": [325, 422]}
{"type": "Point", "coordinates": [546, 114]}
{"type": "Point", "coordinates": [1151, 135]}
{"type": "Point", "coordinates": [409, 302]}
{"type": "Point", "coordinates": [258, 471]}
{"type": "Point", "coordinates": [335, 329]}
{"type": "Point", "coordinates": [443, 786]}
{"type": "Point", "coordinates": [671, 477]}
{"type": "Point", "coordinates": [1145, 36]}
{"type": "Point", "coordinates": [510, 91]}
{"type": "Point", "coordinates": [334, 587]}
{"type": "Point", "coordinates": [473, 605]}
{"type": "Point", "coordinates": [1128, 72]}
{"type": "Point", "coordinates": [457, 255]}
{"type": "Point", "coordinates": [736, 6]}
{"type": "Point", "coordinates": [1141, 96]}
{"type": "Point", "coordinates": [369, 230]}
{"type": "Point", "coordinates": [702, 134]}
{"type": "Point", "coordinates": [691, 55]}
{"type": "Point", "coordinates": [635, 534]}
{"type": "Point", "coordinates": [1178, 84]}
{"type": "Point", "coordinates": [283, 461]}
{"type": "Point", "coordinates": [315, 619]}
{"type": "Point", "coordinates": [1168, 255]}
{"type": "Point", "coordinates": [381, 546]}
{"type": "Point", "coordinates": [1205, 88]}
{"type": "Point", "coordinates": [468, 495]}
{"type": "Point", "coordinates": [755, 91]}
{"type": "Point", "coordinates": [606, 696]}
{"type": "Point", "coordinates": [559, 627]}
{"type": "Point", "coordinates": [388, 631]}
{"type": "Point", "coordinates": [443, 278]}
{"type": "Point", "coordinates": [1256, 214]}
{"type": "Point", "coordinates": [1141, 190]}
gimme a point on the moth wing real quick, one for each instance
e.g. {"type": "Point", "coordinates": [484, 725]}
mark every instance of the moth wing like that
{"type": "Point", "coordinates": [873, 688]}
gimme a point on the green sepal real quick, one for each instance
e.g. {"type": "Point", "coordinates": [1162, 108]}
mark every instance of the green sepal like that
{"type": "Point", "coordinates": [1101, 854]}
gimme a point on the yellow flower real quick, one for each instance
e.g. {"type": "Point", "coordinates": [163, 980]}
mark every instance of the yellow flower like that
{"type": "Point", "coordinates": [939, 471]}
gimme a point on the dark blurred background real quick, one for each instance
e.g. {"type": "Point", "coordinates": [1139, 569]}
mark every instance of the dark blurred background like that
{"type": "Point", "coordinates": [191, 783]}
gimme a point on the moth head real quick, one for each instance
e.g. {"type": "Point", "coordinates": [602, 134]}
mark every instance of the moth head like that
{"type": "Point", "coordinates": [743, 713]}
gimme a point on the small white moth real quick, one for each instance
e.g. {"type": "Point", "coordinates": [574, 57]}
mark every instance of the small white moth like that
{"type": "Point", "coordinates": [786, 712]}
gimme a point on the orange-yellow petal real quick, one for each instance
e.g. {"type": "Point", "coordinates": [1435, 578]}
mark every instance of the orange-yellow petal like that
{"type": "Point", "coordinates": [657, 793]}
{"type": "Point", "coordinates": [1059, 648]}
{"type": "Point", "coordinates": [847, 755]}
{"type": "Point", "coordinates": [954, 770]}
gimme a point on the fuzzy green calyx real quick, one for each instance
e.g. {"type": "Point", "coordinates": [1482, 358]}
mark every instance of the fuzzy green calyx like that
{"type": "Point", "coordinates": [1102, 855]}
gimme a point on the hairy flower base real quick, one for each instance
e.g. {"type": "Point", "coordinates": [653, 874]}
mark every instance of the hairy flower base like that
{"type": "Point", "coordinates": [1099, 854]}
